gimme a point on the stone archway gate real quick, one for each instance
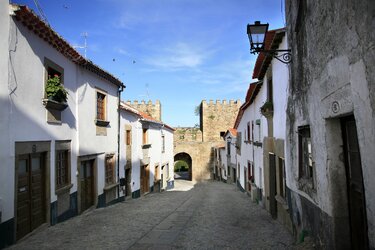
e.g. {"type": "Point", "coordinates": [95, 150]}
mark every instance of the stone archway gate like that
{"type": "Point", "coordinates": [201, 154]}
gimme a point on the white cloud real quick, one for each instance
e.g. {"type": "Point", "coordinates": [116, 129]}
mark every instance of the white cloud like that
{"type": "Point", "coordinates": [122, 51]}
{"type": "Point", "coordinates": [179, 56]}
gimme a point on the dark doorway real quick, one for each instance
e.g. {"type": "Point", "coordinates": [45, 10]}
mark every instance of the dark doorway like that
{"type": "Point", "coordinates": [272, 185]}
{"type": "Point", "coordinates": [356, 193]}
{"type": "Point", "coordinates": [31, 212]}
{"type": "Point", "coordinates": [128, 181]}
{"type": "Point", "coordinates": [87, 184]}
{"type": "Point", "coordinates": [183, 166]}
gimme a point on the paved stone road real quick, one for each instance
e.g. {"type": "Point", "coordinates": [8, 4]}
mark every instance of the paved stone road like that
{"type": "Point", "coordinates": [210, 215]}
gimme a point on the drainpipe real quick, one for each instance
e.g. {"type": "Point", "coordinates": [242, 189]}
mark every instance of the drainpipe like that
{"type": "Point", "coordinates": [121, 89]}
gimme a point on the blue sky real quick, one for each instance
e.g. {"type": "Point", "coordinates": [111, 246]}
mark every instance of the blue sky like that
{"type": "Point", "coordinates": [177, 51]}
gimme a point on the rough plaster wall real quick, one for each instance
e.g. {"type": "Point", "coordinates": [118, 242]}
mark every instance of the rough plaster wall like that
{"type": "Point", "coordinates": [333, 60]}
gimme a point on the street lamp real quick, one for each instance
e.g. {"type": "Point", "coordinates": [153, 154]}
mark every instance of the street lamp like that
{"type": "Point", "coordinates": [257, 33]}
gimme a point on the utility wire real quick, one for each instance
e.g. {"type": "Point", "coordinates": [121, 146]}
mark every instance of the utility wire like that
{"type": "Point", "coordinates": [41, 12]}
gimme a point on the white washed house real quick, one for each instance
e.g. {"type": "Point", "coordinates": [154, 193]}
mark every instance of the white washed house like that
{"type": "Point", "coordinates": [148, 148]}
{"type": "Point", "coordinates": [58, 159]}
{"type": "Point", "coordinates": [250, 132]}
{"type": "Point", "coordinates": [261, 126]}
{"type": "Point", "coordinates": [230, 155]}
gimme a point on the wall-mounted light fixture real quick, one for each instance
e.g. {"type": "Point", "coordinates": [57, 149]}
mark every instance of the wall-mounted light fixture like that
{"type": "Point", "coordinates": [257, 36]}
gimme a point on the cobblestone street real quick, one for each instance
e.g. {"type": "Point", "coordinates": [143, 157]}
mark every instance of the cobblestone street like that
{"type": "Point", "coordinates": [210, 215]}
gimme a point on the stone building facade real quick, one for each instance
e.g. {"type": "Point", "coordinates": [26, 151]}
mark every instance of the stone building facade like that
{"type": "Point", "coordinates": [197, 145]}
{"type": "Point", "coordinates": [152, 109]}
{"type": "Point", "coordinates": [216, 117]}
{"type": "Point", "coordinates": [331, 122]}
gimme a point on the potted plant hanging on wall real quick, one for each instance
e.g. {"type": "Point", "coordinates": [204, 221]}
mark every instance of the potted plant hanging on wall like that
{"type": "Point", "coordinates": [56, 94]}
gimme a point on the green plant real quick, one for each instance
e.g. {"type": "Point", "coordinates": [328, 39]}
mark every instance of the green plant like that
{"type": "Point", "coordinates": [266, 106]}
{"type": "Point", "coordinates": [55, 90]}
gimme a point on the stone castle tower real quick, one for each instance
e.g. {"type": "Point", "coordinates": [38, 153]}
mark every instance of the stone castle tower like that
{"type": "Point", "coordinates": [196, 144]}
{"type": "Point", "coordinates": [153, 110]}
{"type": "Point", "coordinates": [217, 117]}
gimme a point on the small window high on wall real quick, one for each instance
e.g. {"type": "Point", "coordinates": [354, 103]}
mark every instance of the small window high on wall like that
{"type": "Point", "coordinates": [144, 136]}
{"type": "Point", "coordinates": [100, 106]}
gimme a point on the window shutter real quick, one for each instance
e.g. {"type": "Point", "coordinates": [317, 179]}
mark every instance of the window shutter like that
{"type": "Point", "coordinates": [239, 140]}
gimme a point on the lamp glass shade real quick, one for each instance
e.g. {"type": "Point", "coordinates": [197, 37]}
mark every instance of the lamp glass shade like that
{"type": "Point", "coordinates": [257, 34]}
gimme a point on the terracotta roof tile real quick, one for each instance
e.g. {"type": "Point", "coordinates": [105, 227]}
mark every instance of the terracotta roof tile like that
{"type": "Point", "coordinates": [249, 99]}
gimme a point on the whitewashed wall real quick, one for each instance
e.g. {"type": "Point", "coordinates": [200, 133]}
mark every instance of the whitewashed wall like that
{"type": "Point", "coordinates": [280, 77]}
{"type": "Point", "coordinates": [128, 118]}
{"type": "Point", "coordinates": [6, 145]}
{"type": "Point", "coordinates": [26, 115]}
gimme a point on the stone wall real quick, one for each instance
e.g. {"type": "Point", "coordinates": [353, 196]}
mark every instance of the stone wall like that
{"type": "Point", "coordinates": [201, 154]}
{"type": "Point", "coordinates": [187, 134]}
{"type": "Point", "coordinates": [152, 109]}
{"type": "Point", "coordinates": [198, 143]}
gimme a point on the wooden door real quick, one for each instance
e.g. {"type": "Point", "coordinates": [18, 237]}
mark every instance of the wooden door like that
{"type": "Point", "coordinates": [30, 193]}
{"type": "Point", "coordinates": [145, 176]}
{"type": "Point", "coordinates": [272, 185]}
{"type": "Point", "coordinates": [87, 184]}
{"type": "Point", "coordinates": [356, 194]}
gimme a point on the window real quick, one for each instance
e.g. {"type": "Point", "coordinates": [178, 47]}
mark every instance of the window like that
{"type": "Point", "coordinates": [162, 143]}
{"type": "Point", "coordinates": [53, 69]}
{"type": "Point", "coordinates": [100, 106]}
{"type": "Point", "coordinates": [144, 136]}
{"type": "Point", "coordinates": [252, 130]}
{"type": "Point", "coordinates": [109, 169]}
{"type": "Point", "coordinates": [238, 142]}
{"type": "Point", "coordinates": [55, 103]}
{"type": "Point", "coordinates": [248, 132]}
{"type": "Point", "coordinates": [62, 168]}
{"type": "Point", "coordinates": [128, 137]}
{"type": "Point", "coordinates": [305, 153]}
{"type": "Point", "coordinates": [228, 148]}
{"type": "Point", "coordinates": [250, 168]}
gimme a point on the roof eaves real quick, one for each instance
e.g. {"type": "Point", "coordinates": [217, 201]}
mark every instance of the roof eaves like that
{"type": "Point", "coordinates": [33, 22]}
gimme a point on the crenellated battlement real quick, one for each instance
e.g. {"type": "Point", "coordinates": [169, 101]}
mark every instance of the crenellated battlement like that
{"type": "Point", "coordinates": [148, 107]}
{"type": "Point", "coordinates": [221, 103]}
